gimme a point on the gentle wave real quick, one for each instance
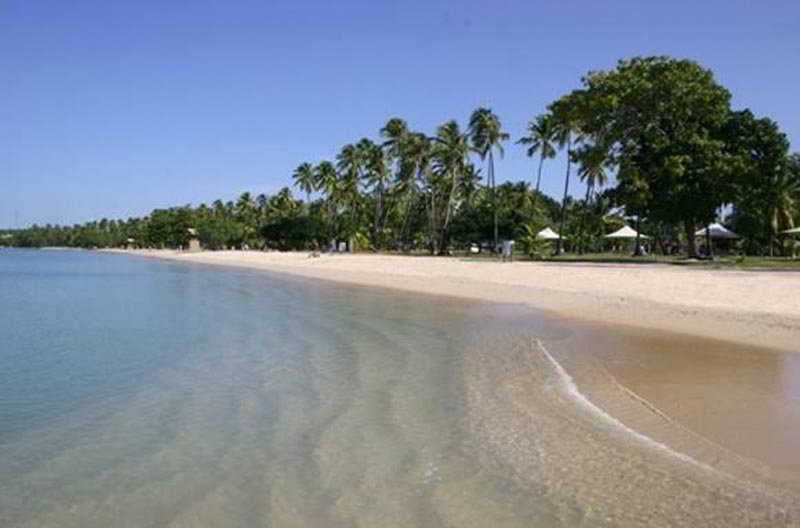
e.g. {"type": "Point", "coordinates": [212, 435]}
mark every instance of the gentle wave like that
{"type": "Point", "coordinates": [569, 385]}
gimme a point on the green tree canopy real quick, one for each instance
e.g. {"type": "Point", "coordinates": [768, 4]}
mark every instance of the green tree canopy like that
{"type": "Point", "coordinates": [662, 122]}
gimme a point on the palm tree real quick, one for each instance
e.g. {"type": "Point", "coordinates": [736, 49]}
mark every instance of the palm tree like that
{"type": "Point", "coordinates": [396, 133]}
{"type": "Point", "coordinates": [376, 177]}
{"type": "Point", "coordinates": [594, 160]}
{"type": "Point", "coordinates": [244, 208]}
{"type": "Point", "coordinates": [412, 151]}
{"type": "Point", "coordinates": [326, 178]}
{"type": "Point", "coordinates": [450, 160]}
{"type": "Point", "coordinates": [469, 184]}
{"type": "Point", "coordinates": [487, 135]}
{"type": "Point", "coordinates": [564, 127]}
{"type": "Point", "coordinates": [262, 205]}
{"type": "Point", "coordinates": [785, 193]}
{"type": "Point", "coordinates": [541, 137]}
{"type": "Point", "coordinates": [409, 152]}
{"type": "Point", "coordinates": [305, 179]}
{"type": "Point", "coordinates": [283, 203]}
{"type": "Point", "coordinates": [328, 183]}
{"type": "Point", "coordinates": [349, 163]}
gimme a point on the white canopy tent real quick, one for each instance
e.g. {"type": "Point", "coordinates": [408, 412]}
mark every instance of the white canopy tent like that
{"type": "Point", "coordinates": [716, 230]}
{"type": "Point", "coordinates": [547, 234]}
{"type": "Point", "coordinates": [625, 232]}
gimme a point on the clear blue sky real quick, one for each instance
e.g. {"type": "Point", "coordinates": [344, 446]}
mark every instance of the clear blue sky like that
{"type": "Point", "coordinates": [110, 109]}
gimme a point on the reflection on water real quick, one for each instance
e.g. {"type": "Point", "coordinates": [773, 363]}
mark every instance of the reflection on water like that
{"type": "Point", "coordinates": [139, 393]}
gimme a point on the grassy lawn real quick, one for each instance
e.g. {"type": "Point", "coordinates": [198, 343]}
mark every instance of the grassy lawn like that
{"type": "Point", "coordinates": [720, 262]}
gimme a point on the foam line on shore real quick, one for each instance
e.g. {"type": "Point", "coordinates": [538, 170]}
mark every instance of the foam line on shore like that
{"type": "Point", "coordinates": [571, 388]}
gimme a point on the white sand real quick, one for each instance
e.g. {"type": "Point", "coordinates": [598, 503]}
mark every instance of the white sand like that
{"type": "Point", "coordinates": [754, 307]}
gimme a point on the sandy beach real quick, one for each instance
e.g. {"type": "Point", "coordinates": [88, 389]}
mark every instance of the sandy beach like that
{"type": "Point", "coordinates": [750, 307]}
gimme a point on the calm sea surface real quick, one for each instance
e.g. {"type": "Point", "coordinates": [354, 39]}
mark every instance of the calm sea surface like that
{"type": "Point", "coordinates": [142, 393]}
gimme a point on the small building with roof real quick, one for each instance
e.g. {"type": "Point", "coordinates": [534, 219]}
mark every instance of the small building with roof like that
{"type": "Point", "coordinates": [193, 245]}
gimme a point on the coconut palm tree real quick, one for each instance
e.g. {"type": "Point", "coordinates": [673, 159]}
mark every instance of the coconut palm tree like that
{"type": "Point", "coordinates": [785, 195]}
{"type": "Point", "coordinates": [414, 151]}
{"type": "Point", "coordinates": [541, 138]}
{"type": "Point", "coordinates": [350, 164]}
{"type": "Point", "coordinates": [592, 171]}
{"type": "Point", "coordinates": [487, 135]}
{"type": "Point", "coordinates": [326, 178]}
{"type": "Point", "coordinates": [328, 182]}
{"type": "Point", "coordinates": [395, 132]}
{"type": "Point", "coordinates": [262, 206]}
{"type": "Point", "coordinates": [564, 127]}
{"type": "Point", "coordinates": [376, 177]}
{"type": "Point", "coordinates": [305, 179]}
{"type": "Point", "coordinates": [450, 160]}
{"type": "Point", "coordinates": [245, 207]}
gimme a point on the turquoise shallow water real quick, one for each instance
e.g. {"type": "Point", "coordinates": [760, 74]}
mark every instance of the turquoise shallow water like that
{"type": "Point", "coordinates": [140, 393]}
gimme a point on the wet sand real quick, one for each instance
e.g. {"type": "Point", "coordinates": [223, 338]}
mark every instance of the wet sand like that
{"type": "Point", "coordinates": [582, 440]}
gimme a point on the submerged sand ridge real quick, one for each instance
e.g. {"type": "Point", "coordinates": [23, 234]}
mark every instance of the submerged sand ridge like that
{"type": "Point", "coordinates": [755, 307]}
{"type": "Point", "coordinates": [692, 433]}
{"type": "Point", "coordinates": [741, 397]}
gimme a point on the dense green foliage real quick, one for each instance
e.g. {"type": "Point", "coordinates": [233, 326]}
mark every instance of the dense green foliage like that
{"type": "Point", "coordinates": [661, 130]}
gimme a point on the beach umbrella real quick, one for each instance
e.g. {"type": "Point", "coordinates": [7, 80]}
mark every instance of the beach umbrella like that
{"type": "Point", "coordinates": [547, 234]}
{"type": "Point", "coordinates": [715, 230]}
{"type": "Point", "coordinates": [625, 232]}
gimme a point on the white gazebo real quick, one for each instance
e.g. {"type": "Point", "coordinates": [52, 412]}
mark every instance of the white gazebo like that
{"type": "Point", "coordinates": [625, 232]}
{"type": "Point", "coordinates": [547, 234]}
{"type": "Point", "coordinates": [716, 230]}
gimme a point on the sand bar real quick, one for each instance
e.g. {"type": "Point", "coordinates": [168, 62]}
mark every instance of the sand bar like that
{"type": "Point", "coordinates": [751, 307]}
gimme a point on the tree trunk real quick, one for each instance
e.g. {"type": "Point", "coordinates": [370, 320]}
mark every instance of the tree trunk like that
{"type": "Point", "coordinates": [539, 176]}
{"type": "Point", "coordinates": [691, 247]}
{"type": "Point", "coordinates": [494, 196]}
{"type": "Point", "coordinates": [583, 218]}
{"type": "Point", "coordinates": [538, 183]}
{"type": "Point", "coordinates": [445, 225]}
{"type": "Point", "coordinates": [560, 246]}
{"type": "Point", "coordinates": [637, 251]}
{"type": "Point", "coordinates": [659, 240]}
{"type": "Point", "coordinates": [376, 223]}
{"type": "Point", "coordinates": [404, 231]}
{"type": "Point", "coordinates": [409, 204]}
{"type": "Point", "coordinates": [433, 223]}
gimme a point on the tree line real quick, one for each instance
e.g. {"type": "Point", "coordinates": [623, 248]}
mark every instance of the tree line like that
{"type": "Point", "coordinates": [662, 130]}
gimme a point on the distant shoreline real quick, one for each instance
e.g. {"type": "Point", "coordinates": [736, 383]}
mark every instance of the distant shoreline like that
{"type": "Point", "coordinates": [754, 307]}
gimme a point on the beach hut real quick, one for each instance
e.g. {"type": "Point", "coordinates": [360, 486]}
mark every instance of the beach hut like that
{"type": "Point", "coordinates": [194, 240]}
{"type": "Point", "coordinates": [716, 230]}
{"type": "Point", "coordinates": [625, 232]}
{"type": "Point", "coordinates": [547, 234]}
{"type": "Point", "coordinates": [628, 233]}
{"type": "Point", "coordinates": [130, 243]}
